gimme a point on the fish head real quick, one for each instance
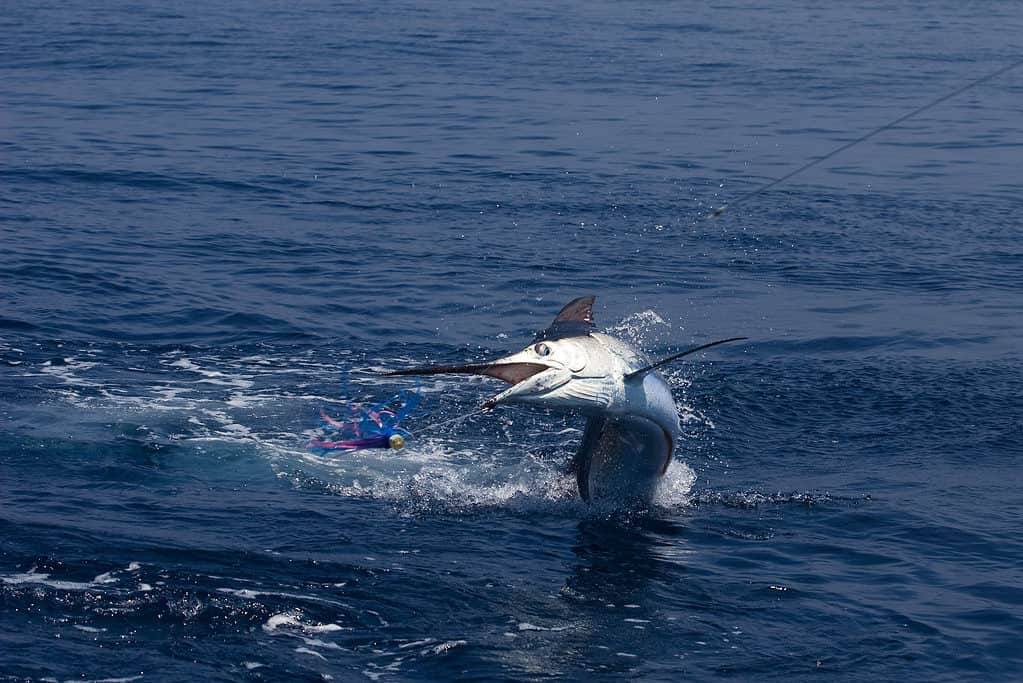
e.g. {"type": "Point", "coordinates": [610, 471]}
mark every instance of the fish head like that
{"type": "Point", "coordinates": [568, 374]}
{"type": "Point", "coordinates": [564, 367]}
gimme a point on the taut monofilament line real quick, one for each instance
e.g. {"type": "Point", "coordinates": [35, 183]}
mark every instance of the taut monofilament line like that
{"type": "Point", "coordinates": [838, 150]}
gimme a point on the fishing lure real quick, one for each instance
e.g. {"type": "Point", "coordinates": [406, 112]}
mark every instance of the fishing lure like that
{"type": "Point", "coordinates": [375, 427]}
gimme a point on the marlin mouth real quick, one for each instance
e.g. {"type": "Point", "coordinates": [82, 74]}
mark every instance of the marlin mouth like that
{"type": "Point", "coordinates": [529, 381]}
{"type": "Point", "coordinates": [513, 373]}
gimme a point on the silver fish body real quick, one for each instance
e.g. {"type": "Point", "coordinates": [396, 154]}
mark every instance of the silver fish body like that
{"type": "Point", "coordinates": [632, 424]}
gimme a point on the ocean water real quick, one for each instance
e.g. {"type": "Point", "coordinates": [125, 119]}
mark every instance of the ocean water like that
{"type": "Point", "coordinates": [217, 219]}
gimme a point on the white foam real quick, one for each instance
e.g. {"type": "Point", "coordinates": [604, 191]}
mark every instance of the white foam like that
{"type": "Point", "coordinates": [416, 643]}
{"type": "Point", "coordinates": [316, 642]}
{"type": "Point", "coordinates": [450, 485]}
{"type": "Point", "coordinates": [66, 371]}
{"type": "Point", "coordinates": [689, 416]}
{"type": "Point", "coordinates": [242, 401]}
{"type": "Point", "coordinates": [220, 379]}
{"type": "Point", "coordinates": [637, 328]}
{"type": "Point", "coordinates": [430, 477]}
{"type": "Point", "coordinates": [237, 429]}
{"type": "Point", "coordinates": [675, 487]}
{"type": "Point", "coordinates": [109, 577]}
{"type": "Point", "coordinates": [449, 645]}
{"type": "Point", "coordinates": [526, 626]}
{"type": "Point", "coordinates": [214, 377]}
{"type": "Point", "coordinates": [290, 622]}
{"type": "Point", "coordinates": [283, 619]}
{"type": "Point", "coordinates": [258, 360]}
{"type": "Point", "coordinates": [171, 394]}
{"type": "Point", "coordinates": [249, 594]}
{"type": "Point", "coordinates": [32, 576]}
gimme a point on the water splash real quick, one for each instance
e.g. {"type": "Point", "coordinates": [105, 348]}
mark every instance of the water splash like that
{"type": "Point", "coordinates": [259, 404]}
{"type": "Point", "coordinates": [643, 329]}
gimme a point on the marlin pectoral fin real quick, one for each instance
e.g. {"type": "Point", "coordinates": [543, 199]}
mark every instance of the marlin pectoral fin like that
{"type": "Point", "coordinates": [664, 361]}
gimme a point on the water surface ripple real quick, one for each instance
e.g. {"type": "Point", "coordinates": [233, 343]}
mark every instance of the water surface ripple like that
{"type": "Point", "coordinates": [219, 219]}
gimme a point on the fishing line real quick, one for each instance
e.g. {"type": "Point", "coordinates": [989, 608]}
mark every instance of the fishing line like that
{"type": "Point", "coordinates": [838, 150]}
{"type": "Point", "coordinates": [434, 425]}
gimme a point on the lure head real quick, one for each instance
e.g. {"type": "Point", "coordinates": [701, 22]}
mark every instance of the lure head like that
{"type": "Point", "coordinates": [396, 441]}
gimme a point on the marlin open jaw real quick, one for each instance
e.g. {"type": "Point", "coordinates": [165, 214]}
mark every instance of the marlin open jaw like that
{"type": "Point", "coordinates": [550, 362]}
{"type": "Point", "coordinates": [632, 420]}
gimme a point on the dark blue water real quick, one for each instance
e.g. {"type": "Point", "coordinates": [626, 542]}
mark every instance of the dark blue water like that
{"type": "Point", "coordinates": [211, 212]}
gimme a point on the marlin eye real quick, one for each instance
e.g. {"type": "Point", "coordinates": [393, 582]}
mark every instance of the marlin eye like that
{"type": "Point", "coordinates": [542, 350]}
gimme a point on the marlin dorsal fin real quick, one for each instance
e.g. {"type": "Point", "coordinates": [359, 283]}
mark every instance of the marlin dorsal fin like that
{"type": "Point", "coordinates": [577, 310]}
{"type": "Point", "coordinates": [574, 320]}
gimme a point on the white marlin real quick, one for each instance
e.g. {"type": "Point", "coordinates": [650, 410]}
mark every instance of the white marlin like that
{"type": "Point", "coordinates": [632, 425]}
